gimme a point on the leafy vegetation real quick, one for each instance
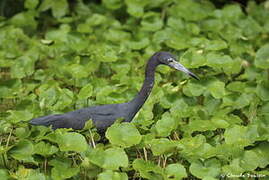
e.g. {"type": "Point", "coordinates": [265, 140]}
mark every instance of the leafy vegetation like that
{"type": "Point", "coordinates": [57, 56]}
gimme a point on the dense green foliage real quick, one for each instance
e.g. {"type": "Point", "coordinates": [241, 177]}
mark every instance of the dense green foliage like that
{"type": "Point", "coordinates": [57, 56]}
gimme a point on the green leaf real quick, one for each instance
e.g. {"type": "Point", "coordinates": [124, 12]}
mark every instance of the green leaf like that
{"type": "Point", "coordinates": [219, 122]}
{"type": "Point", "coordinates": [45, 149]}
{"type": "Point", "coordinates": [194, 89]}
{"type": "Point", "coordinates": [238, 101]}
{"type": "Point", "coordinates": [31, 4]}
{"type": "Point", "coordinates": [22, 151]}
{"type": "Point", "coordinates": [84, 28]}
{"type": "Point", "coordinates": [161, 36]}
{"type": "Point", "coordinates": [175, 23]}
{"type": "Point", "coordinates": [106, 53]}
{"type": "Point", "coordinates": [62, 170]}
{"type": "Point", "coordinates": [233, 168]}
{"type": "Point", "coordinates": [77, 71]}
{"type": "Point", "coordinates": [147, 169]}
{"type": "Point", "coordinates": [85, 92]}
{"type": "Point", "coordinates": [137, 45]}
{"type": "Point", "coordinates": [161, 146]}
{"type": "Point", "coordinates": [59, 35]}
{"type": "Point", "coordinates": [190, 10]}
{"type": "Point", "coordinates": [66, 142]}
{"type": "Point", "coordinates": [24, 20]}
{"type": "Point", "coordinates": [59, 8]}
{"type": "Point", "coordinates": [25, 173]}
{"type": "Point", "coordinates": [175, 171]}
{"type": "Point", "coordinates": [117, 36]}
{"type": "Point", "coordinates": [77, 42]}
{"type": "Point", "coordinates": [112, 4]}
{"type": "Point", "coordinates": [265, 109]}
{"type": "Point", "coordinates": [214, 25]}
{"type": "Point", "coordinates": [209, 168]}
{"type": "Point", "coordinates": [223, 62]}
{"type": "Point", "coordinates": [200, 125]}
{"type": "Point", "coordinates": [193, 58]}
{"type": "Point", "coordinates": [23, 67]}
{"type": "Point", "coordinates": [123, 134]}
{"type": "Point", "coordinates": [218, 61]}
{"type": "Point", "coordinates": [165, 125]}
{"type": "Point", "coordinates": [136, 8]}
{"type": "Point", "coordinates": [177, 42]}
{"type": "Point", "coordinates": [250, 160]}
{"type": "Point", "coordinates": [199, 148]}
{"type": "Point", "coordinates": [236, 86]}
{"type": "Point", "coordinates": [151, 22]}
{"type": "Point", "coordinates": [18, 116]}
{"type": "Point", "coordinates": [262, 152]}
{"type": "Point", "coordinates": [262, 91]}
{"type": "Point", "coordinates": [108, 174]}
{"type": "Point", "coordinates": [4, 174]}
{"type": "Point", "coordinates": [232, 12]}
{"type": "Point", "coordinates": [48, 95]}
{"type": "Point", "coordinates": [33, 175]}
{"type": "Point", "coordinates": [180, 109]}
{"type": "Point", "coordinates": [64, 100]}
{"type": "Point", "coordinates": [110, 159]}
{"type": "Point", "coordinates": [216, 45]}
{"type": "Point", "coordinates": [96, 19]}
{"type": "Point", "coordinates": [243, 100]}
{"type": "Point", "coordinates": [251, 28]}
{"type": "Point", "coordinates": [216, 88]}
{"type": "Point", "coordinates": [57, 173]}
{"type": "Point", "coordinates": [22, 132]}
{"type": "Point", "coordinates": [237, 135]}
{"type": "Point", "coordinates": [262, 57]}
{"type": "Point", "coordinates": [45, 5]}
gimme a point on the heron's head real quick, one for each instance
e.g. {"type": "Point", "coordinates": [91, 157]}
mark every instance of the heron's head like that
{"type": "Point", "coordinates": [168, 59]}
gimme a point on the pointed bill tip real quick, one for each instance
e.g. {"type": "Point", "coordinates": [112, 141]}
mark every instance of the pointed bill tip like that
{"type": "Point", "coordinates": [193, 75]}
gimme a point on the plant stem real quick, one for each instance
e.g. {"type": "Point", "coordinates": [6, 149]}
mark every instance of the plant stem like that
{"type": "Point", "coordinates": [145, 154]}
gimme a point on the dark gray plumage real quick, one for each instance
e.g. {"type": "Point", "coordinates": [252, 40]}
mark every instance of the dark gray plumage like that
{"type": "Point", "coordinates": [105, 115]}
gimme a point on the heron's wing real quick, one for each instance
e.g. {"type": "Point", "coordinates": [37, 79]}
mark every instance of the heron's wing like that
{"type": "Point", "coordinates": [102, 116]}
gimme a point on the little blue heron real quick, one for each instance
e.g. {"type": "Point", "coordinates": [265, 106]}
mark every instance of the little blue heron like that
{"type": "Point", "coordinates": [104, 116]}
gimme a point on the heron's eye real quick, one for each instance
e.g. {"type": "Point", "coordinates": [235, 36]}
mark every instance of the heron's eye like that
{"type": "Point", "coordinates": [170, 60]}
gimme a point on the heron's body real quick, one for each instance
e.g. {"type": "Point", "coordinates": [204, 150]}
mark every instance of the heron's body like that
{"type": "Point", "coordinates": [104, 116]}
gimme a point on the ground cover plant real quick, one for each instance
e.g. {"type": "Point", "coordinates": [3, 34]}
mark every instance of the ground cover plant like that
{"type": "Point", "coordinates": [57, 56]}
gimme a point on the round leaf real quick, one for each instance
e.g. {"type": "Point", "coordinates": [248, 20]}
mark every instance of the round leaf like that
{"type": "Point", "coordinates": [262, 57]}
{"type": "Point", "coordinates": [209, 168]}
{"type": "Point", "coordinates": [123, 134]}
{"type": "Point", "coordinates": [217, 89]}
{"type": "Point", "coordinates": [161, 146]}
{"type": "Point", "coordinates": [175, 171]}
{"type": "Point", "coordinates": [22, 151]}
{"type": "Point", "coordinates": [111, 158]}
{"type": "Point", "coordinates": [112, 175]}
{"type": "Point", "coordinates": [85, 92]}
{"type": "Point", "coordinates": [71, 142]}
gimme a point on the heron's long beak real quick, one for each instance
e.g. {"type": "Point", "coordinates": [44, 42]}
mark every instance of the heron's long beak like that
{"type": "Point", "coordinates": [176, 65]}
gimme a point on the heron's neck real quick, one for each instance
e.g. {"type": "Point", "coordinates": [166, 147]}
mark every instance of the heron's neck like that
{"type": "Point", "coordinates": [147, 86]}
